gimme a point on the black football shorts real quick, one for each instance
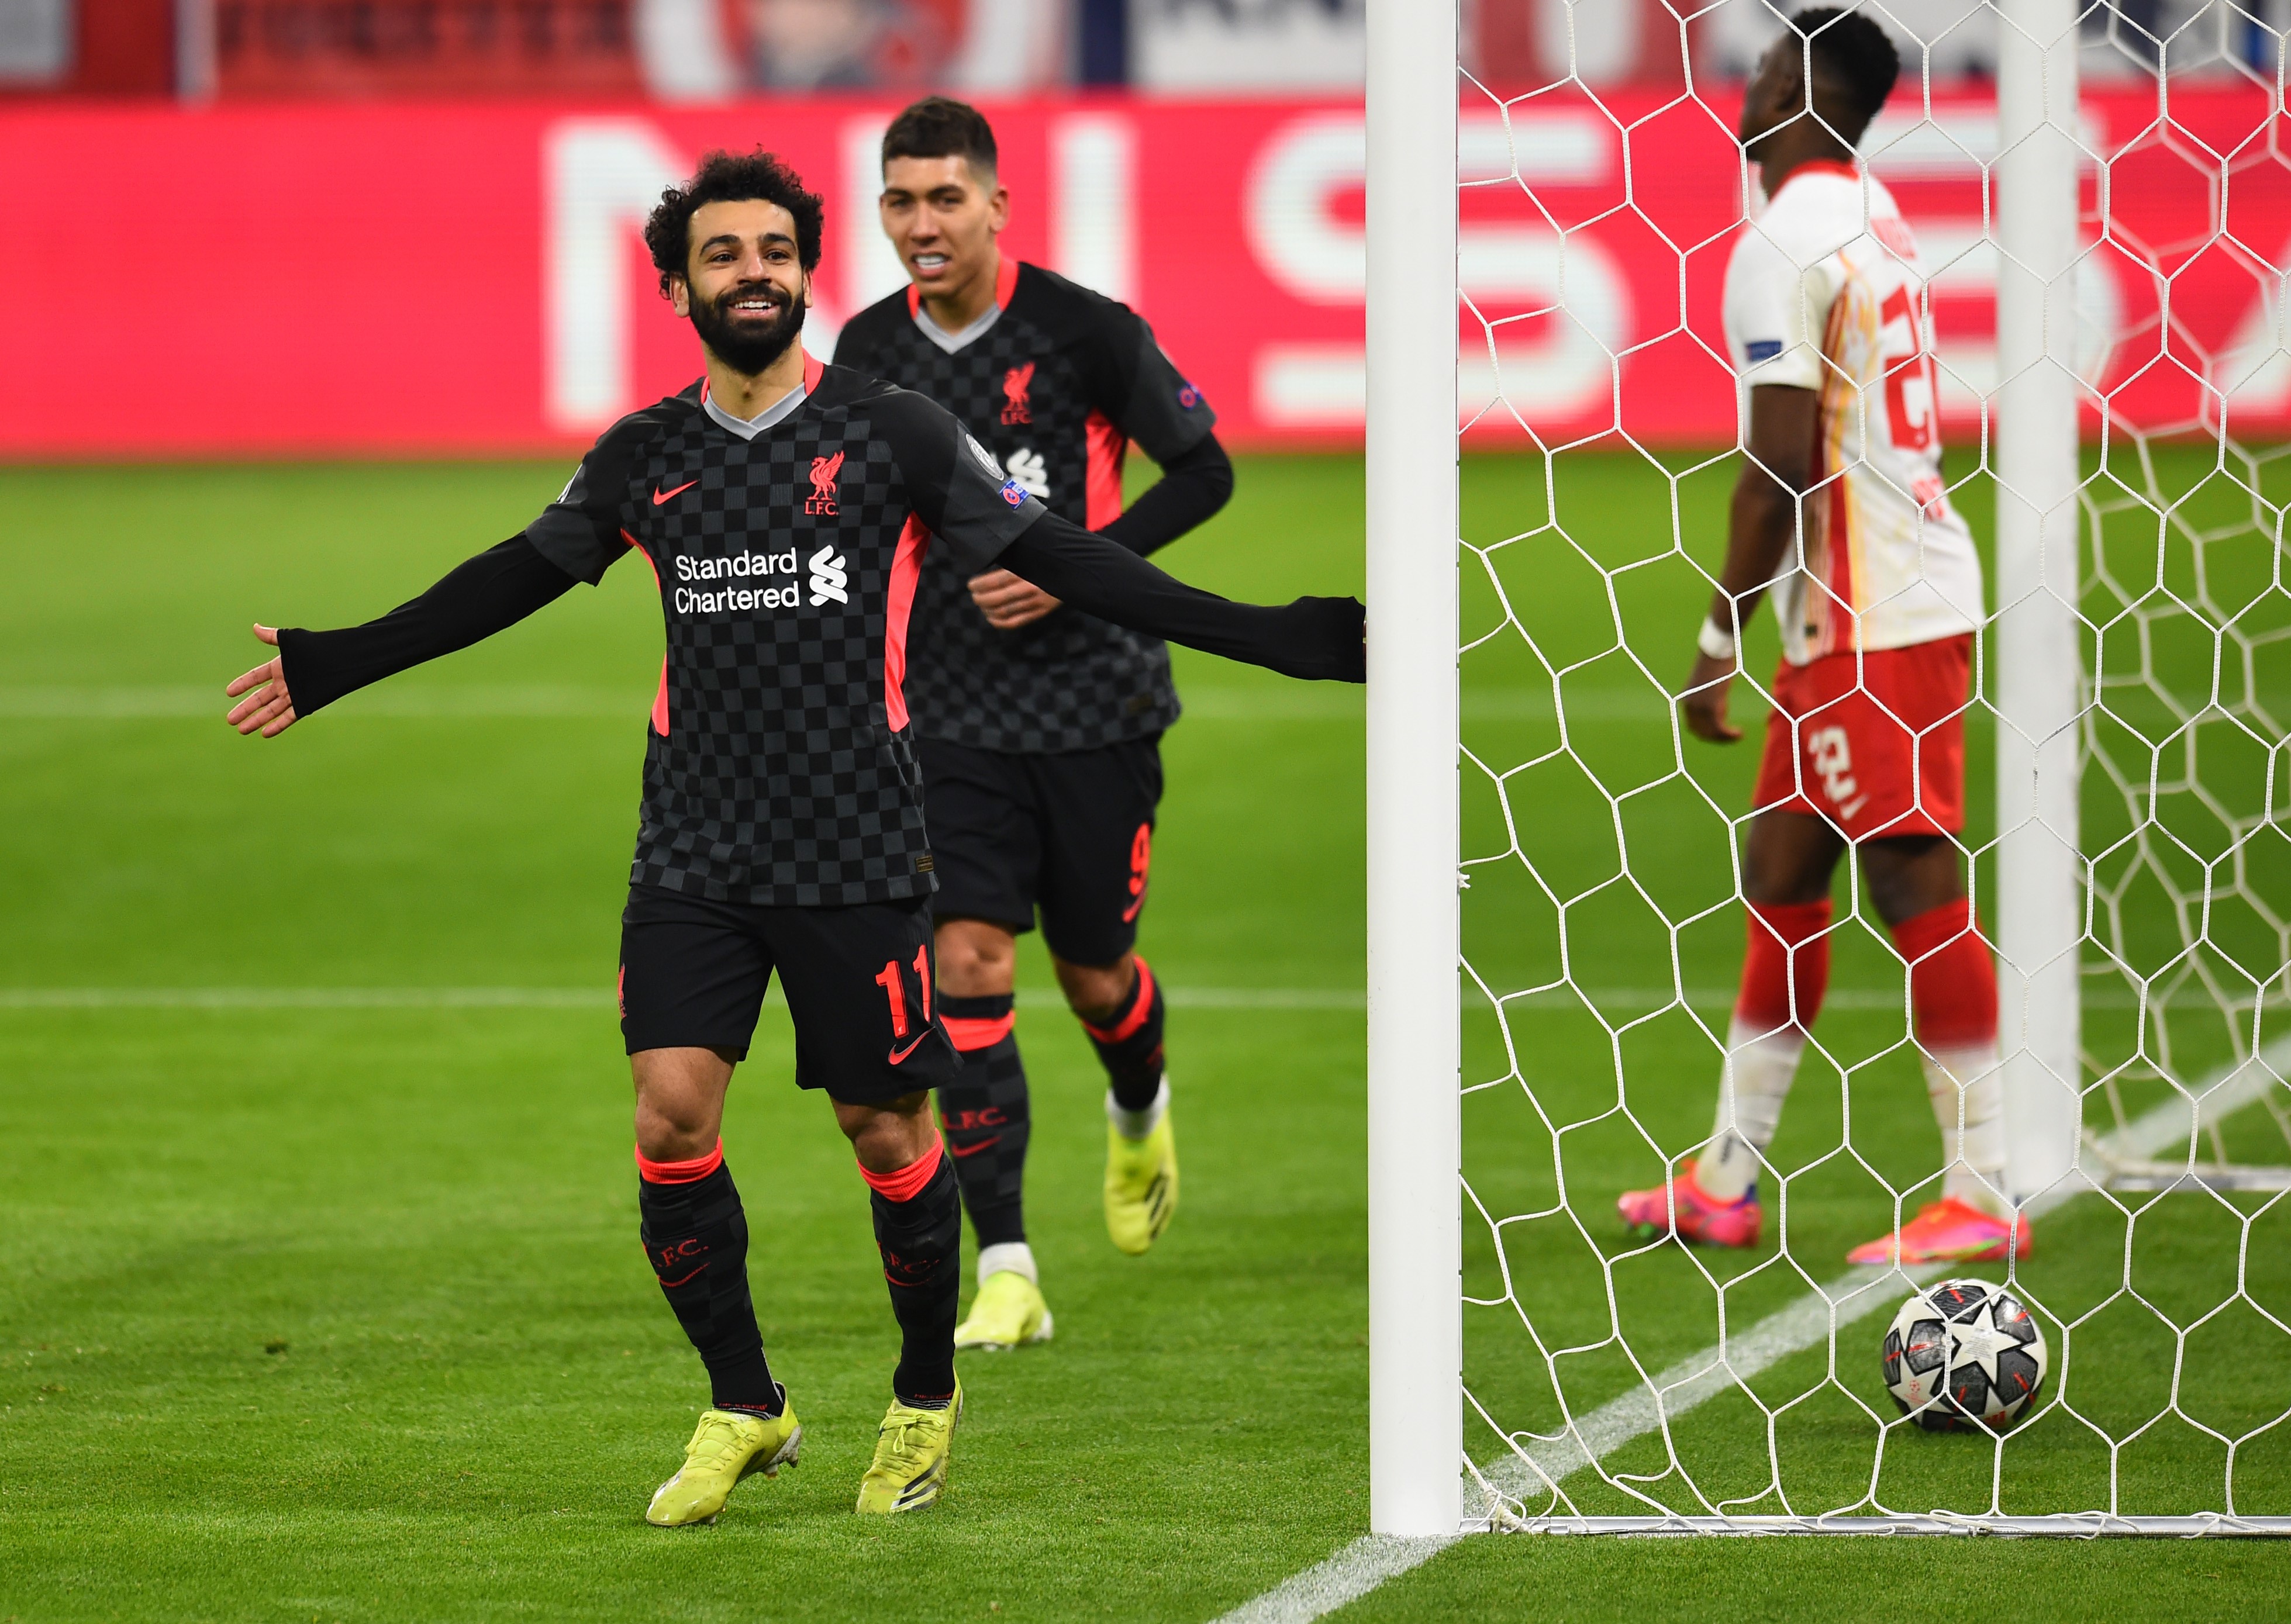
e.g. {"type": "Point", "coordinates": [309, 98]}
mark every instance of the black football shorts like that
{"type": "Point", "coordinates": [1070, 834]}
{"type": "Point", "coordinates": [858, 982]}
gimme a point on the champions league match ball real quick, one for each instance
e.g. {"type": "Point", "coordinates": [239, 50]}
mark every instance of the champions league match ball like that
{"type": "Point", "coordinates": [1962, 1353]}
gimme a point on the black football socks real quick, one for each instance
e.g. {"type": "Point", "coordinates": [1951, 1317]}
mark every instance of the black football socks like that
{"type": "Point", "coordinates": [696, 1235]}
{"type": "Point", "coordinates": [1130, 1049]}
{"type": "Point", "coordinates": [985, 1117]}
{"type": "Point", "coordinates": [918, 1231]}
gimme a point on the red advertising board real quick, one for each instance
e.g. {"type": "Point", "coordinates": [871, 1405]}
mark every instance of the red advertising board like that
{"type": "Point", "coordinates": [468, 279]}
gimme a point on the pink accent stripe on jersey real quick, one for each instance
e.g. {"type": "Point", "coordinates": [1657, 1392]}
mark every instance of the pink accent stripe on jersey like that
{"type": "Point", "coordinates": [906, 569]}
{"type": "Point", "coordinates": [679, 1172]}
{"type": "Point", "coordinates": [908, 1182]}
{"type": "Point", "coordinates": [1006, 283]}
{"type": "Point", "coordinates": [1838, 538]}
{"type": "Point", "coordinates": [659, 699]}
{"type": "Point", "coordinates": [1107, 447]}
{"type": "Point", "coordinates": [973, 1032]}
{"type": "Point", "coordinates": [812, 368]}
{"type": "Point", "coordinates": [1138, 1011]}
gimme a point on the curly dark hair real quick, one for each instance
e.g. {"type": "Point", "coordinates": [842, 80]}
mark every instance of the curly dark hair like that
{"type": "Point", "coordinates": [941, 127]}
{"type": "Point", "coordinates": [1855, 51]}
{"type": "Point", "coordinates": [728, 177]}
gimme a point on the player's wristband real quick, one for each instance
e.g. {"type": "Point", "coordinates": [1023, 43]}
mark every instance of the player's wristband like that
{"type": "Point", "coordinates": [1715, 641]}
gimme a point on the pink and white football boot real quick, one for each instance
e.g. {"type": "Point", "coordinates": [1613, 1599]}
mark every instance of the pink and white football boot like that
{"type": "Point", "coordinates": [1950, 1231]}
{"type": "Point", "coordinates": [1701, 1217]}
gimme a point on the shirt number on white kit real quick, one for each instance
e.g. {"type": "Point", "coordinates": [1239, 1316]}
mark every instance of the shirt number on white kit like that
{"type": "Point", "coordinates": [1832, 759]}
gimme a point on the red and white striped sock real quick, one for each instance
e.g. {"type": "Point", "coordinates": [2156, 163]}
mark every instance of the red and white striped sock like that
{"type": "Point", "coordinates": [1785, 974]}
{"type": "Point", "coordinates": [1953, 998]}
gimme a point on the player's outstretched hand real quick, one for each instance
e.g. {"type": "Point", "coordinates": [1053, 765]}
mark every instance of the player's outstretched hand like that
{"type": "Point", "coordinates": [1332, 639]}
{"type": "Point", "coordinates": [1704, 704]}
{"type": "Point", "coordinates": [267, 707]}
{"type": "Point", "coordinates": [1009, 602]}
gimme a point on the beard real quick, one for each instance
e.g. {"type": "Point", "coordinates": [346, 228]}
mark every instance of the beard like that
{"type": "Point", "coordinates": [740, 345]}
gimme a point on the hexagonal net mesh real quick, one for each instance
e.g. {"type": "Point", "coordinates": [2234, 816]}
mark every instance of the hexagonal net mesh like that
{"type": "Point", "coordinates": [1661, 1318]}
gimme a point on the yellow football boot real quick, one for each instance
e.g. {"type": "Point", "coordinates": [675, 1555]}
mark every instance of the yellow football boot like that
{"type": "Point", "coordinates": [909, 1471]}
{"type": "Point", "coordinates": [1141, 1185]}
{"type": "Point", "coordinates": [727, 1446]}
{"type": "Point", "coordinates": [1009, 1312]}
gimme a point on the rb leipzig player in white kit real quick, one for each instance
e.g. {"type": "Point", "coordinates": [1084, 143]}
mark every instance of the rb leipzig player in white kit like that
{"type": "Point", "coordinates": [1841, 511]}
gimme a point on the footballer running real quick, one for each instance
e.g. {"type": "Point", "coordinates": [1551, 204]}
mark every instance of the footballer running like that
{"type": "Point", "coordinates": [786, 510]}
{"type": "Point", "coordinates": [1039, 725]}
{"type": "Point", "coordinates": [1841, 509]}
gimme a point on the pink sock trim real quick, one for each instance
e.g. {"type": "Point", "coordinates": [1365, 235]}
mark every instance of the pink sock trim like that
{"type": "Point", "coordinates": [973, 1032]}
{"type": "Point", "coordinates": [908, 1182]}
{"type": "Point", "coordinates": [679, 1172]}
{"type": "Point", "coordinates": [1142, 1007]}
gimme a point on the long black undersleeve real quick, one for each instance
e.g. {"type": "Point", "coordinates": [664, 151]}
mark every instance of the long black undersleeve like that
{"type": "Point", "coordinates": [1318, 638]}
{"type": "Point", "coordinates": [1194, 484]}
{"type": "Point", "coordinates": [488, 593]}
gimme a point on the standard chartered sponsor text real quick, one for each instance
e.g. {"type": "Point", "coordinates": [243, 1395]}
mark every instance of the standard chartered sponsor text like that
{"type": "Point", "coordinates": [740, 565]}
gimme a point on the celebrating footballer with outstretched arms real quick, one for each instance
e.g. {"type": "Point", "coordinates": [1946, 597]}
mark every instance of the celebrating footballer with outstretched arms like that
{"type": "Point", "coordinates": [1038, 724]}
{"type": "Point", "coordinates": [1842, 516]}
{"type": "Point", "coordinates": [786, 510]}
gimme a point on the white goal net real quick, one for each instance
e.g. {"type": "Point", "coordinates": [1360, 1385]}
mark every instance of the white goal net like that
{"type": "Point", "coordinates": [2099, 195]}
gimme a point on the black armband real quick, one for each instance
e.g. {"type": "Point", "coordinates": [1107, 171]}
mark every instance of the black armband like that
{"type": "Point", "coordinates": [495, 590]}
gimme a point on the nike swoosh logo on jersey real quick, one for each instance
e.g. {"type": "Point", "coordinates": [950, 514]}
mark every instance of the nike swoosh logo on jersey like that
{"type": "Point", "coordinates": [899, 1055]}
{"type": "Point", "coordinates": [658, 497]}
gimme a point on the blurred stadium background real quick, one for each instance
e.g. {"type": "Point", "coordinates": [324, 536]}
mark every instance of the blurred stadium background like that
{"type": "Point", "coordinates": [288, 1036]}
{"type": "Point", "coordinates": [470, 173]}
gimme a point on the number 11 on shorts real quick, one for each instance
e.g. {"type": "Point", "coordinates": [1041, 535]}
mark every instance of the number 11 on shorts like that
{"type": "Point", "coordinates": [894, 985]}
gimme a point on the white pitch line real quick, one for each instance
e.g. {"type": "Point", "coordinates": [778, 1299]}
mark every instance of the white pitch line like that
{"type": "Point", "coordinates": [1346, 1576]}
{"type": "Point", "coordinates": [1367, 1562]}
{"type": "Point", "coordinates": [1610, 999]}
{"type": "Point", "coordinates": [1703, 1376]}
{"type": "Point", "coordinates": [541, 998]}
{"type": "Point", "coordinates": [306, 998]}
{"type": "Point", "coordinates": [1830, 1308]}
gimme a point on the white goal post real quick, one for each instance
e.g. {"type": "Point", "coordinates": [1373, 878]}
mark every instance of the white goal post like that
{"type": "Point", "coordinates": [1415, 1035]}
{"type": "Point", "coordinates": [2042, 677]}
{"type": "Point", "coordinates": [2039, 666]}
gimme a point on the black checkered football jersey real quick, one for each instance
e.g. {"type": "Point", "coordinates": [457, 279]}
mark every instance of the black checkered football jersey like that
{"type": "Point", "coordinates": [1058, 387]}
{"type": "Point", "coordinates": [780, 768]}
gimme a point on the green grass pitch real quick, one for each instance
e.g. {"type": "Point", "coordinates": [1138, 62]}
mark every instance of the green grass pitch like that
{"type": "Point", "coordinates": [337, 1313]}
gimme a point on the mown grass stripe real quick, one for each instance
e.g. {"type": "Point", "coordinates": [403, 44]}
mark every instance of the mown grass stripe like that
{"type": "Point", "coordinates": [1292, 704]}
{"type": "Point", "coordinates": [1616, 1000]}
{"type": "Point", "coordinates": [1370, 1561]}
{"type": "Point", "coordinates": [1822, 1313]}
{"type": "Point", "coordinates": [537, 998]}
